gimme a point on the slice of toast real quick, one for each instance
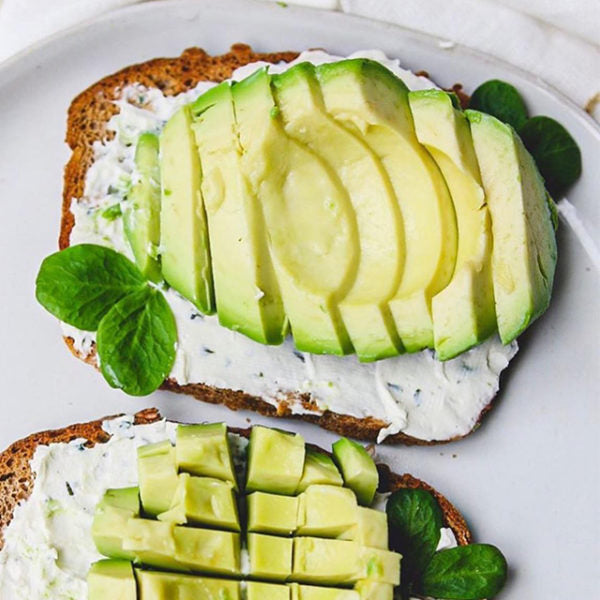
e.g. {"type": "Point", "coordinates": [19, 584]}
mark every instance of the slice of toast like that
{"type": "Point", "coordinates": [88, 116]}
{"type": "Point", "coordinates": [17, 479]}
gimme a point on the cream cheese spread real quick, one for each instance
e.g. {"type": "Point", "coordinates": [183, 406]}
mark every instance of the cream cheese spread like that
{"type": "Point", "coordinates": [414, 394]}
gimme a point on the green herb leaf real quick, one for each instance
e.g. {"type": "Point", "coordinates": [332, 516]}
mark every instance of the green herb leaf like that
{"type": "Point", "coordinates": [501, 100]}
{"type": "Point", "coordinates": [415, 519]}
{"type": "Point", "coordinates": [112, 212]}
{"type": "Point", "coordinates": [136, 342]}
{"type": "Point", "coordinates": [556, 153]}
{"type": "Point", "coordinates": [465, 573]}
{"type": "Point", "coordinates": [80, 284]}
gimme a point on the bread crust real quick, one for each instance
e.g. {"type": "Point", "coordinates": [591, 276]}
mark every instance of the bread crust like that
{"type": "Point", "coordinates": [88, 116]}
{"type": "Point", "coordinates": [17, 479]}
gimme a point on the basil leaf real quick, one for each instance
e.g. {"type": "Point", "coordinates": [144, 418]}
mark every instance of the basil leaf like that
{"type": "Point", "coordinates": [556, 153]}
{"type": "Point", "coordinates": [465, 573]}
{"type": "Point", "coordinates": [81, 283]}
{"type": "Point", "coordinates": [501, 100]}
{"type": "Point", "coordinates": [414, 519]}
{"type": "Point", "coordinates": [136, 342]}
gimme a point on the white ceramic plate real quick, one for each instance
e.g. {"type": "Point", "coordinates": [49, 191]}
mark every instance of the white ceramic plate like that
{"type": "Point", "coordinates": [528, 481]}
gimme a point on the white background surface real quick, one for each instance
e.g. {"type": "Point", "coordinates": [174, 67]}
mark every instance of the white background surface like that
{"type": "Point", "coordinates": [528, 481]}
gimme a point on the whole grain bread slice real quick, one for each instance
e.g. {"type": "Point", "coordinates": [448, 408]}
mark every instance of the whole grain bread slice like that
{"type": "Point", "coordinates": [17, 478]}
{"type": "Point", "coordinates": [87, 121]}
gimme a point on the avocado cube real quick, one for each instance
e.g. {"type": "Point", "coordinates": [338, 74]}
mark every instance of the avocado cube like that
{"type": "Point", "coordinates": [270, 556]}
{"type": "Point", "coordinates": [331, 562]}
{"type": "Point", "coordinates": [157, 476]}
{"type": "Point", "coordinates": [203, 501]}
{"type": "Point", "coordinates": [207, 550]}
{"type": "Point", "coordinates": [154, 585]}
{"type": "Point", "coordinates": [314, 592]}
{"type": "Point", "coordinates": [373, 590]}
{"type": "Point", "coordinates": [152, 543]}
{"type": "Point", "coordinates": [258, 590]}
{"type": "Point", "coordinates": [275, 461]}
{"type": "Point", "coordinates": [372, 528]}
{"type": "Point", "coordinates": [358, 468]}
{"type": "Point", "coordinates": [318, 468]}
{"type": "Point", "coordinates": [379, 565]}
{"type": "Point", "coordinates": [110, 519]}
{"type": "Point", "coordinates": [272, 513]}
{"type": "Point", "coordinates": [112, 579]}
{"type": "Point", "coordinates": [204, 450]}
{"type": "Point", "coordinates": [327, 511]}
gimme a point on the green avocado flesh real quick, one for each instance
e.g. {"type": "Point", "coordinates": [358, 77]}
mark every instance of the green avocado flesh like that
{"type": "Point", "coordinates": [333, 204]}
{"type": "Point", "coordinates": [271, 539]}
{"type": "Point", "coordinates": [358, 469]}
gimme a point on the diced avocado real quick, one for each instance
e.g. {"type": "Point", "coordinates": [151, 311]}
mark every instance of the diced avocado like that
{"type": "Point", "coordinates": [112, 579]}
{"type": "Point", "coordinates": [373, 590]}
{"type": "Point", "coordinates": [203, 501]}
{"type": "Point", "coordinates": [246, 289]}
{"type": "Point", "coordinates": [110, 519]}
{"type": "Point", "coordinates": [327, 511]}
{"type": "Point", "coordinates": [463, 312]}
{"type": "Point", "coordinates": [275, 461]}
{"type": "Point", "coordinates": [372, 102]}
{"type": "Point", "coordinates": [524, 252]}
{"type": "Point", "coordinates": [358, 469]}
{"type": "Point", "coordinates": [313, 237]}
{"type": "Point", "coordinates": [258, 590]}
{"type": "Point", "coordinates": [204, 450]}
{"type": "Point", "coordinates": [141, 214]}
{"type": "Point", "coordinates": [157, 472]}
{"type": "Point", "coordinates": [380, 565]}
{"type": "Point", "coordinates": [270, 556]}
{"type": "Point", "coordinates": [380, 232]}
{"type": "Point", "coordinates": [184, 248]}
{"type": "Point", "coordinates": [272, 513]}
{"type": "Point", "coordinates": [152, 543]}
{"type": "Point", "coordinates": [318, 468]}
{"type": "Point", "coordinates": [207, 550]}
{"type": "Point", "coordinates": [372, 529]}
{"type": "Point", "coordinates": [332, 562]}
{"type": "Point", "coordinates": [154, 585]}
{"type": "Point", "coordinates": [314, 592]}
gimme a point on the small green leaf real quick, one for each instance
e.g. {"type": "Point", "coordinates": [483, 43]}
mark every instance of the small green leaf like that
{"type": "Point", "coordinates": [556, 153]}
{"type": "Point", "coordinates": [112, 212]}
{"type": "Point", "coordinates": [81, 283]}
{"type": "Point", "coordinates": [136, 342]}
{"type": "Point", "coordinates": [501, 100]}
{"type": "Point", "coordinates": [465, 573]}
{"type": "Point", "coordinates": [415, 520]}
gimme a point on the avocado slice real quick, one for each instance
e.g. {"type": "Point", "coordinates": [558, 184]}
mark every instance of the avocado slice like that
{"type": "Point", "coordinates": [275, 461]}
{"type": "Point", "coordinates": [270, 556]}
{"type": "Point", "coordinates": [246, 289]}
{"type": "Point", "coordinates": [158, 479]}
{"type": "Point", "coordinates": [312, 236]}
{"type": "Point", "coordinates": [380, 232]}
{"type": "Point", "coordinates": [203, 501]}
{"type": "Point", "coordinates": [184, 246]}
{"type": "Point", "coordinates": [524, 252]}
{"type": "Point", "coordinates": [152, 543]}
{"type": "Point", "coordinates": [369, 100]}
{"type": "Point", "coordinates": [258, 590]}
{"type": "Point", "coordinates": [154, 585]}
{"type": "Point", "coordinates": [318, 468]}
{"type": "Point", "coordinates": [373, 590]}
{"type": "Point", "coordinates": [378, 565]}
{"type": "Point", "coordinates": [463, 312]}
{"type": "Point", "coordinates": [112, 579]}
{"type": "Point", "coordinates": [110, 519]}
{"type": "Point", "coordinates": [272, 513]}
{"type": "Point", "coordinates": [358, 468]}
{"type": "Point", "coordinates": [204, 450]}
{"type": "Point", "coordinates": [372, 528]}
{"type": "Point", "coordinates": [315, 592]}
{"type": "Point", "coordinates": [141, 212]}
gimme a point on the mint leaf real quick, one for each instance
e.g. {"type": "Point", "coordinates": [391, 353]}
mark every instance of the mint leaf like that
{"type": "Point", "coordinates": [81, 283]}
{"type": "Point", "coordinates": [415, 519]}
{"type": "Point", "coordinates": [465, 573]}
{"type": "Point", "coordinates": [501, 100]}
{"type": "Point", "coordinates": [556, 153]}
{"type": "Point", "coordinates": [136, 342]}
